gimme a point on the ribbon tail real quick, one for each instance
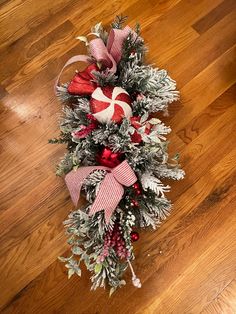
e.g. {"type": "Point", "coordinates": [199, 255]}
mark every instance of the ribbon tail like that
{"type": "Point", "coordinates": [74, 180]}
{"type": "Point", "coordinates": [109, 195]}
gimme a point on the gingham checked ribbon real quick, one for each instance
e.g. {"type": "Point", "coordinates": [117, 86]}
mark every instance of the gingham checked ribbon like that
{"type": "Point", "coordinates": [111, 188]}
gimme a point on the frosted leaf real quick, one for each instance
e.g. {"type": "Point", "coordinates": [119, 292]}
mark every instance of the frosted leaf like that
{"type": "Point", "coordinates": [150, 182]}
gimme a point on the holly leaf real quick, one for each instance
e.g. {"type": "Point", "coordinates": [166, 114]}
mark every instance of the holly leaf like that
{"type": "Point", "coordinates": [97, 268]}
{"type": "Point", "coordinates": [142, 129]}
{"type": "Point", "coordinates": [65, 259]}
{"type": "Point", "coordinates": [78, 271]}
{"type": "Point", "coordinates": [83, 39]}
{"type": "Point", "coordinates": [131, 130]}
{"type": "Point", "coordinates": [96, 29]}
{"type": "Point", "coordinates": [77, 250]}
{"type": "Point", "coordinates": [144, 117]}
{"type": "Point", "coordinates": [112, 290]}
{"type": "Point", "coordinates": [154, 121]}
{"type": "Point", "coordinates": [176, 157]}
{"type": "Point", "coordinates": [71, 272]}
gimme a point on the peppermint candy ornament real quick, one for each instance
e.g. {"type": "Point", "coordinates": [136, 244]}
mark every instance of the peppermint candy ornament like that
{"type": "Point", "coordinates": [110, 104]}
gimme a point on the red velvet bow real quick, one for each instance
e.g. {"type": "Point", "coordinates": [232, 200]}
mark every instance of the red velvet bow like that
{"type": "Point", "coordinates": [83, 82]}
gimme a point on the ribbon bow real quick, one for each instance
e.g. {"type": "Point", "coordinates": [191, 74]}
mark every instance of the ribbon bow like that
{"type": "Point", "coordinates": [111, 188]}
{"type": "Point", "coordinates": [108, 55]}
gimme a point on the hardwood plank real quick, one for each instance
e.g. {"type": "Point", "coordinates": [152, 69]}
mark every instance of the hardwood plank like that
{"type": "Point", "coordinates": [25, 261]}
{"type": "Point", "coordinates": [225, 303]}
{"type": "Point", "coordinates": [19, 17]}
{"type": "Point", "coordinates": [206, 22]}
{"type": "Point", "coordinates": [208, 115]}
{"type": "Point", "coordinates": [37, 47]}
{"type": "Point", "coordinates": [3, 92]}
{"type": "Point", "coordinates": [196, 96]}
{"type": "Point", "coordinates": [205, 49]}
{"type": "Point", "coordinates": [197, 156]}
{"type": "Point", "coordinates": [196, 284]}
{"type": "Point", "coordinates": [168, 43]}
{"type": "Point", "coordinates": [27, 71]}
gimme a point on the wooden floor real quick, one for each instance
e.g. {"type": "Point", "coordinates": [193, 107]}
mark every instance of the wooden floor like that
{"type": "Point", "coordinates": [189, 264]}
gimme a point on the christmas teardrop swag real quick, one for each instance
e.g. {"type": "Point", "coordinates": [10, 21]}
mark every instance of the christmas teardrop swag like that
{"type": "Point", "coordinates": [117, 152]}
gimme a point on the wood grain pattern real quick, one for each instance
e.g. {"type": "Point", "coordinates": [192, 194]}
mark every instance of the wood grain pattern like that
{"type": "Point", "coordinates": [188, 265]}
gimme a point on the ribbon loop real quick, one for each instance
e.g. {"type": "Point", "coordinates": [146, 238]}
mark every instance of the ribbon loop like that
{"type": "Point", "coordinates": [99, 51]}
{"type": "Point", "coordinates": [111, 188]}
{"type": "Point", "coordinates": [124, 174]}
{"type": "Point", "coordinates": [115, 41]}
{"type": "Point", "coordinates": [108, 55]}
{"type": "Point", "coordinates": [74, 59]}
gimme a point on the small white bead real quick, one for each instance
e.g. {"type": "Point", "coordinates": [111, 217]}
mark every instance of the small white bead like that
{"type": "Point", "coordinates": [136, 282]}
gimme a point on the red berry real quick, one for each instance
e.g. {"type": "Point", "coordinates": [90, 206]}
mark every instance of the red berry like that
{"type": "Point", "coordinates": [134, 236]}
{"type": "Point", "coordinates": [134, 203]}
{"type": "Point", "coordinates": [136, 186]}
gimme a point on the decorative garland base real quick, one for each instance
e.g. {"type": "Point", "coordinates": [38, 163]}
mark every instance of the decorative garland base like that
{"type": "Point", "coordinates": [117, 152]}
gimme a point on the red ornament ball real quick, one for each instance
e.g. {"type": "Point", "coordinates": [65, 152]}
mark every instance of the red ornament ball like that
{"type": "Point", "coordinates": [110, 104]}
{"type": "Point", "coordinates": [134, 236]}
{"type": "Point", "coordinates": [137, 188]}
{"type": "Point", "coordinates": [108, 158]}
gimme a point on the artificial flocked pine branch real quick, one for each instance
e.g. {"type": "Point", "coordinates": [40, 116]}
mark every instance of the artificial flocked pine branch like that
{"type": "Point", "coordinates": [117, 152]}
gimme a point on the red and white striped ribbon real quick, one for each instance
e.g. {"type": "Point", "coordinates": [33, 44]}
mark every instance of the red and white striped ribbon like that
{"type": "Point", "coordinates": [111, 188]}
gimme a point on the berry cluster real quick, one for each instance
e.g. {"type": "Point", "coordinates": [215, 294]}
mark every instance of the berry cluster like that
{"type": "Point", "coordinates": [114, 239]}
